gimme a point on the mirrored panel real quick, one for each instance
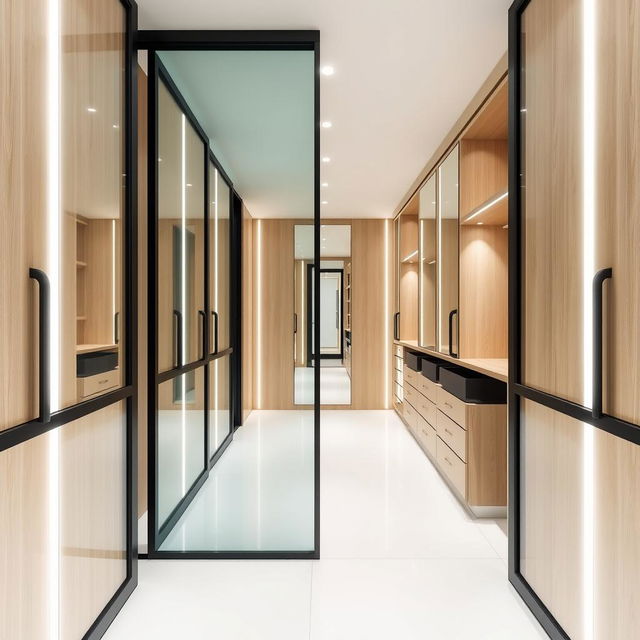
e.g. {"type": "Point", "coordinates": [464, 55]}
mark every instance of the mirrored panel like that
{"type": "Point", "coordinates": [335, 314]}
{"type": "Point", "coordinates": [219, 403]}
{"type": "Point", "coordinates": [449, 247]}
{"type": "Point", "coordinates": [428, 263]}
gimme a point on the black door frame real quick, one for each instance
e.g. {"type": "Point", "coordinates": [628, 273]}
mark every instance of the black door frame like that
{"type": "Point", "coordinates": [308, 310]}
{"type": "Point", "coordinates": [185, 40]}
{"type": "Point", "coordinates": [517, 390]}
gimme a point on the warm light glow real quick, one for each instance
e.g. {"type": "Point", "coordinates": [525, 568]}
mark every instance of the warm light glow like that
{"type": "Point", "coordinates": [91, 109]}
{"type": "Point", "coordinates": [386, 319]}
{"type": "Point", "coordinates": [588, 252]}
{"type": "Point", "coordinates": [327, 70]}
{"type": "Point", "coordinates": [420, 284]}
{"type": "Point", "coordinates": [324, 202]}
{"type": "Point", "coordinates": [258, 273]}
{"type": "Point", "coordinates": [183, 302]}
{"type": "Point", "coordinates": [486, 206]}
{"type": "Point", "coordinates": [326, 159]}
{"type": "Point", "coordinates": [325, 184]}
{"type": "Point", "coordinates": [411, 255]}
{"type": "Point", "coordinates": [327, 124]}
{"type": "Point", "coordinates": [53, 269]}
{"type": "Point", "coordinates": [113, 278]}
{"type": "Point", "coordinates": [438, 336]}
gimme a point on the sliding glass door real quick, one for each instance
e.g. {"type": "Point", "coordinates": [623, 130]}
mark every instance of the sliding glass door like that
{"type": "Point", "coordinates": [66, 314]}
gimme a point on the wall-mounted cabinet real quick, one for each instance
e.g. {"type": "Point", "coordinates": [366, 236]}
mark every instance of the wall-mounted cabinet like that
{"type": "Point", "coordinates": [428, 261]}
{"type": "Point", "coordinates": [407, 253]}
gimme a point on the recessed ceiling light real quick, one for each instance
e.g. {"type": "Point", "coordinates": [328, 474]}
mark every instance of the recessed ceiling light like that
{"type": "Point", "coordinates": [326, 159]}
{"type": "Point", "coordinates": [325, 184]}
{"type": "Point", "coordinates": [91, 109]}
{"type": "Point", "coordinates": [159, 159]}
{"type": "Point", "coordinates": [189, 184]}
{"type": "Point", "coordinates": [327, 70]}
{"type": "Point", "coordinates": [479, 222]}
{"type": "Point", "coordinates": [324, 202]}
{"type": "Point", "coordinates": [115, 126]}
{"type": "Point", "coordinates": [327, 124]}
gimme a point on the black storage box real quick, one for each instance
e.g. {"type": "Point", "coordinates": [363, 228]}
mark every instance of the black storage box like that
{"type": "Point", "coordinates": [95, 362]}
{"type": "Point", "coordinates": [412, 359]}
{"type": "Point", "coordinates": [471, 386]}
{"type": "Point", "coordinates": [431, 368]}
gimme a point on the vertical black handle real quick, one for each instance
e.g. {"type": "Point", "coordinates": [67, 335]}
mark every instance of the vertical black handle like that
{"type": "Point", "coordinates": [396, 326]}
{"type": "Point", "coordinates": [116, 327]}
{"type": "Point", "coordinates": [178, 337]}
{"type": "Point", "coordinates": [44, 318]}
{"type": "Point", "coordinates": [295, 323]}
{"type": "Point", "coordinates": [598, 282]}
{"type": "Point", "coordinates": [202, 317]}
{"type": "Point", "coordinates": [453, 312]}
{"type": "Point", "coordinates": [215, 331]}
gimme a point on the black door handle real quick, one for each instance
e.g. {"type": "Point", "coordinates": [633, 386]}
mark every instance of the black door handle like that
{"type": "Point", "coordinates": [177, 328]}
{"type": "Point", "coordinates": [396, 326]}
{"type": "Point", "coordinates": [453, 312]}
{"type": "Point", "coordinates": [44, 354]}
{"type": "Point", "coordinates": [215, 331]}
{"type": "Point", "coordinates": [598, 282]}
{"type": "Point", "coordinates": [116, 327]}
{"type": "Point", "coordinates": [295, 323]}
{"type": "Point", "coordinates": [202, 317]}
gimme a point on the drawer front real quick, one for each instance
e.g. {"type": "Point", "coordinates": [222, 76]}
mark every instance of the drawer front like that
{"type": "Point", "coordinates": [426, 436]}
{"type": "Point", "coordinates": [452, 434]}
{"type": "Point", "coordinates": [397, 390]}
{"type": "Point", "coordinates": [426, 409]}
{"type": "Point", "coordinates": [410, 375]}
{"type": "Point", "coordinates": [411, 395]}
{"type": "Point", "coordinates": [452, 467]}
{"type": "Point", "coordinates": [398, 351]}
{"type": "Point", "coordinates": [410, 415]}
{"type": "Point", "coordinates": [454, 408]}
{"type": "Point", "coordinates": [98, 383]}
{"type": "Point", "coordinates": [398, 376]}
{"type": "Point", "coordinates": [398, 363]}
{"type": "Point", "coordinates": [428, 388]}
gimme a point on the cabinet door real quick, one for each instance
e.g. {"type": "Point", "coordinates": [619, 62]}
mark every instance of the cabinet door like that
{"type": "Point", "coordinates": [448, 250]}
{"type": "Point", "coordinates": [428, 264]}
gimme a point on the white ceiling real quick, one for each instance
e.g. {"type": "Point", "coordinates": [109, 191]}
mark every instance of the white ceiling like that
{"type": "Point", "coordinates": [404, 72]}
{"type": "Point", "coordinates": [335, 241]}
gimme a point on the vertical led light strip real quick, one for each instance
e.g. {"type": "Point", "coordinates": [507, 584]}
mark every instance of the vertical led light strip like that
{"type": "Point", "coordinates": [258, 272]}
{"type": "Point", "coordinates": [439, 261]}
{"type": "Point", "coordinates": [215, 294]}
{"type": "Point", "coordinates": [113, 277]}
{"type": "Point", "coordinates": [386, 320]}
{"type": "Point", "coordinates": [183, 299]}
{"type": "Point", "coordinates": [420, 283]}
{"type": "Point", "coordinates": [54, 70]}
{"type": "Point", "coordinates": [588, 264]}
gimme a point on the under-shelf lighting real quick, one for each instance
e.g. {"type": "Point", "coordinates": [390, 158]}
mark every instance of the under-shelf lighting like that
{"type": "Point", "coordinates": [411, 255]}
{"type": "Point", "coordinates": [486, 206]}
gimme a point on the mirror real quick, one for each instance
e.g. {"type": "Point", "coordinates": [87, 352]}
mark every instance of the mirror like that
{"type": "Point", "coordinates": [448, 266]}
{"type": "Point", "coordinates": [335, 314]}
{"type": "Point", "coordinates": [428, 264]}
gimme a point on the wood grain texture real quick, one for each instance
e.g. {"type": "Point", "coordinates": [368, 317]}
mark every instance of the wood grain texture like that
{"type": "Point", "coordinates": [483, 172]}
{"type": "Point", "coordinates": [448, 282]}
{"type": "Point", "coordinates": [248, 314]}
{"type": "Point", "coordinates": [143, 279]}
{"type": "Point", "coordinates": [552, 315]}
{"type": "Point", "coordinates": [551, 511]}
{"type": "Point", "coordinates": [618, 200]}
{"type": "Point", "coordinates": [491, 122]}
{"type": "Point", "coordinates": [484, 268]}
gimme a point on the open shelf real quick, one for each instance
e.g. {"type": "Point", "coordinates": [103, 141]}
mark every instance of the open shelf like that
{"type": "Point", "coordinates": [493, 212]}
{"type": "Point", "coordinates": [90, 348]}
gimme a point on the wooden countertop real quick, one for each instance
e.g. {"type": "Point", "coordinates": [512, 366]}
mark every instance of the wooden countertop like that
{"type": "Point", "coordinates": [497, 368]}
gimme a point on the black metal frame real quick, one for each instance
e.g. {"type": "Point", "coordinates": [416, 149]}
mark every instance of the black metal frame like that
{"type": "Point", "coordinates": [309, 306]}
{"type": "Point", "coordinates": [128, 393]}
{"type": "Point", "coordinates": [155, 41]}
{"type": "Point", "coordinates": [517, 390]}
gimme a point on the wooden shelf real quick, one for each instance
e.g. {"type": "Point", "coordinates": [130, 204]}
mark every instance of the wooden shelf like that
{"type": "Point", "coordinates": [80, 318]}
{"type": "Point", "coordinates": [89, 348]}
{"type": "Point", "coordinates": [493, 212]}
{"type": "Point", "coordinates": [80, 264]}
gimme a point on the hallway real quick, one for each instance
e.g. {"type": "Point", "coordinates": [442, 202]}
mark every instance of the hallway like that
{"type": "Point", "coordinates": [399, 557]}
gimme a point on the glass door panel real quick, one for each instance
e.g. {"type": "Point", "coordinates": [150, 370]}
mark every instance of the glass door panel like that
{"type": "Point", "coordinates": [180, 439]}
{"type": "Point", "coordinates": [428, 264]}
{"type": "Point", "coordinates": [181, 154]}
{"type": "Point", "coordinates": [448, 251]}
{"type": "Point", "coordinates": [219, 272]}
{"type": "Point", "coordinates": [219, 403]}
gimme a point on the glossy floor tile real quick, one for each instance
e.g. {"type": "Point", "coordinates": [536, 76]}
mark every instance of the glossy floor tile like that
{"type": "Point", "coordinates": [400, 557]}
{"type": "Point", "coordinates": [335, 385]}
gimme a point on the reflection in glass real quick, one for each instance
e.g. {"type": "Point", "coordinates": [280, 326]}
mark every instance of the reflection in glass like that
{"type": "Point", "coordinates": [335, 314]}
{"type": "Point", "coordinates": [180, 236]}
{"type": "Point", "coordinates": [428, 265]}
{"type": "Point", "coordinates": [219, 219]}
{"type": "Point", "coordinates": [448, 267]}
{"type": "Point", "coordinates": [180, 438]}
{"type": "Point", "coordinates": [219, 403]}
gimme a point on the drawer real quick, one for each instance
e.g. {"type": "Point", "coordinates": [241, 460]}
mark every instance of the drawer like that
{"type": "Point", "coordinates": [397, 390]}
{"type": "Point", "coordinates": [426, 436]}
{"type": "Point", "coordinates": [412, 395]}
{"type": "Point", "coordinates": [426, 409]}
{"type": "Point", "coordinates": [397, 363]}
{"type": "Point", "coordinates": [398, 351]}
{"type": "Point", "coordinates": [454, 408]}
{"type": "Point", "coordinates": [428, 388]}
{"type": "Point", "coordinates": [452, 434]}
{"type": "Point", "coordinates": [410, 415]}
{"type": "Point", "coordinates": [96, 384]}
{"type": "Point", "coordinates": [398, 376]}
{"type": "Point", "coordinates": [452, 467]}
{"type": "Point", "coordinates": [410, 376]}
{"type": "Point", "coordinates": [473, 387]}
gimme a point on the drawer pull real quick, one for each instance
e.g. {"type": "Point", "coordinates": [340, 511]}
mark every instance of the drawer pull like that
{"type": "Point", "coordinates": [425, 433]}
{"type": "Point", "coordinates": [449, 432]}
{"type": "Point", "coordinates": [448, 461]}
{"type": "Point", "coordinates": [446, 404]}
{"type": "Point", "coordinates": [103, 381]}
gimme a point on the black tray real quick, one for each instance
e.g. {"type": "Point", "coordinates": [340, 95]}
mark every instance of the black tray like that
{"type": "Point", "coordinates": [431, 368]}
{"type": "Point", "coordinates": [95, 362]}
{"type": "Point", "coordinates": [471, 386]}
{"type": "Point", "coordinates": [412, 359]}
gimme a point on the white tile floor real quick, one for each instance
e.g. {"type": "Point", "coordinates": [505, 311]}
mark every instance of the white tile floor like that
{"type": "Point", "coordinates": [400, 559]}
{"type": "Point", "coordinates": [335, 385]}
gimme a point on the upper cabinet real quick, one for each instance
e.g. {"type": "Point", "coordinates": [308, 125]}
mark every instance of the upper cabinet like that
{"type": "Point", "coordinates": [407, 250]}
{"type": "Point", "coordinates": [428, 261]}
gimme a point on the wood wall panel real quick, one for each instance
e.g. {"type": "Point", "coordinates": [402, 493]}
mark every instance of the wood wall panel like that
{"type": "Point", "coordinates": [371, 320]}
{"type": "Point", "coordinates": [552, 342]}
{"type": "Point", "coordinates": [484, 269]}
{"type": "Point", "coordinates": [551, 511]}
{"type": "Point", "coordinates": [248, 313]}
